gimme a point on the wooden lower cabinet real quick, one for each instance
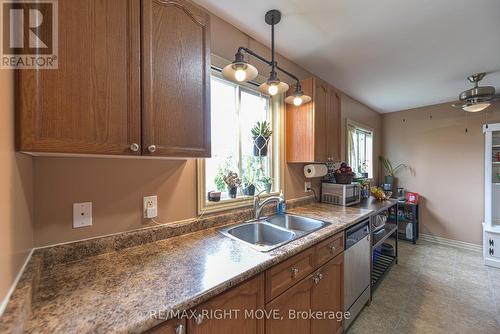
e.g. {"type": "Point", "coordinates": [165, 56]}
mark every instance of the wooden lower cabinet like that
{"type": "Point", "coordinates": [321, 291]}
{"type": "Point", "coordinates": [297, 298]}
{"type": "Point", "coordinates": [172, 326]}
{"type": "Point", "coordinates": [247, 296]}
{"type": "Point", "coordinates": [328, 295]}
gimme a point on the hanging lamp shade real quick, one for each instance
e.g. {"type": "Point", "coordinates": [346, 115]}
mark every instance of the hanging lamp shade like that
{"type": "Point", "coordinates": [239, 70]}
{"type": "Point", "coordinates": [298, 97]}
{"type": "Point", "coordinates": [273, 87]}
{"type": "Point", "coordinates": [475, 107]}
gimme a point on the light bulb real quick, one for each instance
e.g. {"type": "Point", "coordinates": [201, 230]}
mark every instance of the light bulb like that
{"type": "Point", "coordinates": [273, 89]}
{"type": "Point", "coordinates": [240, 75]}
{"type": "Point", "coordinates": [297, 101]}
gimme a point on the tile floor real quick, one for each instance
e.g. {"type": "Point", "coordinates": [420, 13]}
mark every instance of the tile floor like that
{"type": "Point", "coordinates": [434, 289]}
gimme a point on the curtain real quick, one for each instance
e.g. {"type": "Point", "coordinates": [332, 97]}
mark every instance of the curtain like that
{"type": "Point", "coordinates": [352, 147]}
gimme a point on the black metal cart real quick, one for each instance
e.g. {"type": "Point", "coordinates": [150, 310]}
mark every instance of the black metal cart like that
{"type": "Point", "coordinates": [408, 215]}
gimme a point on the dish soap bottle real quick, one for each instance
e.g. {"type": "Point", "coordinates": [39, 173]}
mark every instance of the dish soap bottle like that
{"type": "Point", "coordinates": [281, 209]}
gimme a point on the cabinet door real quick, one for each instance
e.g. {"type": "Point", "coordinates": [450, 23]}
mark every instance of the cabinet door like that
{"type": "Point", "coordinates": [176, 79]}
{"type": "Point", "coordinates": [300, 127]}
{"type": "Point", "coordinates": [248, 296]}
{"type": "Point", "coordinates": [173, 326]}
{"type": "Point", "coordinates": [297, 298]}
{"type": "Point", "coordinates": [328, 295]}
{"type": "Point", "coordinates": [321, 106]}
{"type": "Point", "coordinates": [91, 103]}
{"type": "Point", "coordinates": [333, 123]}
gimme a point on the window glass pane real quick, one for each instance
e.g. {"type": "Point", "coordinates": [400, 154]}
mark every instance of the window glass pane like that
{"type": "Point", "coordinates": [360, 150]}
{"type": "Point", "coordinates": [253, 109]}
{"type": "Point", "coordinates": [235, 110]}
{"type": "Point", "coordinates": [224, 134]}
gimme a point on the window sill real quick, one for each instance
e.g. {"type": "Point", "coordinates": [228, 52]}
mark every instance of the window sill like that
{"type": "Point", "coordinates": [230, 203]}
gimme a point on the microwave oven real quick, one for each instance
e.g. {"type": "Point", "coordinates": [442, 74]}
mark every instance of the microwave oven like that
{"type": "Point", "coordinates": [340, 194]}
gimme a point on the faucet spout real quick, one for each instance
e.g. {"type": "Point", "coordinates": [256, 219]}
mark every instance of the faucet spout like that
{"type": "Point", "coordinates": [259, 205]}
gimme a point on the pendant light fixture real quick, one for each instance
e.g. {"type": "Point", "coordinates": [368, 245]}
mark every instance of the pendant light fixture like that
{"type": "Point", "coordinates": [240, 70]}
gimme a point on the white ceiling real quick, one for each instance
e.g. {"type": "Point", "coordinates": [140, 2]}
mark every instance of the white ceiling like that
{"type": "Point", "coordinates": [389, 54]}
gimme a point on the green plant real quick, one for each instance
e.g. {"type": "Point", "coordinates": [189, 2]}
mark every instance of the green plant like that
{"type": "Point", "coordinates": [262, 129]}
{"type": "Point", "coordinates": [223, 169]}
{"type": "Point", "coordinates": [391, 171]}
{"type": "Point", "coordinates": [232, 180]}
{"type": "Point", "coordinates": [266, 179]}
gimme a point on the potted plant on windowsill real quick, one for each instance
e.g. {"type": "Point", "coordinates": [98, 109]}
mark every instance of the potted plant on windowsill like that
{"type": "Point", "coordinates": [267, 183]}
{"type": "Point", "coordinates": [261, 133]}
{"type": "Point", "coordinates": [390, 170]}
{"type": "Point", "coordinates": [233, 182]}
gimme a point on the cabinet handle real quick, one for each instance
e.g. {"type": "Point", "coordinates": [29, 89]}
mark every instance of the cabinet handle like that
{"type": "Point", "coordinates": [180, 329]}
{"type": "Point", "coordinates": [492, 242]}
{"type": "Point", "coordinates": [198, 319]}
{"type": "Point", "coordinates": [492, 251]}
{"type": "Point", "coordinates": [152, 148]}
{"type": "Point", "coordinates": [320, 276]}
{"type": "Point", "coordinates": [316, 279]}
{"type": "Point", "coordinates": [295, 271]}
{"type": "Point", "coordinates": [134, 147]}
{"type": "Point", "coordinates": [333, 248]}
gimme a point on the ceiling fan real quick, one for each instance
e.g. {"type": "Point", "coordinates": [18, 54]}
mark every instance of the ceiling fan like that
{"type": "Point", "coordinates": [478, 97]}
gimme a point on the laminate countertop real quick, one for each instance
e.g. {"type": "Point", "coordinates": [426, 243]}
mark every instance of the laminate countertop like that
{"type": "Point", "coordinates": [116, 292]}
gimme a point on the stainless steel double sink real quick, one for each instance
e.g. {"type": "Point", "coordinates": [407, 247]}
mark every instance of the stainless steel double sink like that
{"type": "Point", "coordinates": [271, 232]}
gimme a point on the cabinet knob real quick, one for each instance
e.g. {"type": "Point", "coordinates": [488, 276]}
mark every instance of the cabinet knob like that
{"type": "Point", "coordinates": [180, 329]}
{"type": "Point", "coordinates": [152, 148]}
{"type": "Point", "coordinates": [295, 271]}
{"type": "Point", "coordinates": [316, 279]}
{"type": "Point", "coordinates": [134, 147]}
{"type": "Point", "coordinates": [332, 248]}
{"type": "Point", "coordinates": [198, 319]}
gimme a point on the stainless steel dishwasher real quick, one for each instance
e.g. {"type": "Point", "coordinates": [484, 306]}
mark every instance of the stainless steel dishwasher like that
{"type": "Point", "coordinates": [356, 269]}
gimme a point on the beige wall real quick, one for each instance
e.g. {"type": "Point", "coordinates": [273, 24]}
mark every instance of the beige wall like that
{"type": "Point", "coordinates": [16, 193]}
{"type": "Point", "coordinates": [448, 164]}
{"type": "Point", "coordinates": [116, 186]}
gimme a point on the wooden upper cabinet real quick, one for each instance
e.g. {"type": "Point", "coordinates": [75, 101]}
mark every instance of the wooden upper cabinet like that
{"type": "Point", "coordinates": [92, 102]}
{"type": "Point", "coordinates": [176, 79]}
{"type": "Point", "coordinates": [313, 129]}
{"type": "Point", "coordinates": [235, 303]}
{"type": "Point", "coordinates": [333, 127]}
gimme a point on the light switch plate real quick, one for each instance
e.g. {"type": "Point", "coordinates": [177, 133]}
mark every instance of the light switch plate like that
{"type": "Point", "coordinates": [150, 207]}
{"type": "Point", "coordinates": [82, 214]}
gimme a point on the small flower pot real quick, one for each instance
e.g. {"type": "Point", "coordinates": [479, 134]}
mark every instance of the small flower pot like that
{"type": "Point", "coordinates": [260, 147]}
{"type": "Point", "coordinates": [267, 187]}
{"type": "Point", "coordinates": [389, 179]}
{"type": "Point", "coordinates": [232, 191]}
{"type": "Point", "coordinates": [249, 190]}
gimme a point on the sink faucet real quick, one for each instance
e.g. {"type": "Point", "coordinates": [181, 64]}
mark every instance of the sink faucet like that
{"type": "Point", "coordinates": [258, 205]}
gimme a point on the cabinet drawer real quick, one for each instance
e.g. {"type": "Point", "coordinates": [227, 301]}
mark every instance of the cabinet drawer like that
{"type": "Point", "coordinates": [282, 276]}
{"type": "Point", "coordinates": [329, 248]}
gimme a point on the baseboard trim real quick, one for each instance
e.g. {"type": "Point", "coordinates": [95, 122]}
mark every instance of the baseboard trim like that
{"type": "Point", "coordinates": [451, 242]}
{"type": "Point", "coordinates": [14, 284]}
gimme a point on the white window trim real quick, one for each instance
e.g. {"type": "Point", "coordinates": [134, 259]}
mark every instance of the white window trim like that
{"type": "Point", "coordinates": [367, 129]}
{"type": "Point", "coordinates": [277, 107]}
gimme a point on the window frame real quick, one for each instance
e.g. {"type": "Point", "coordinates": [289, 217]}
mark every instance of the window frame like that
{"type": "Point", "coordinates": [276, 159]}
{"type": "Point", "coordinates": [365, 128]}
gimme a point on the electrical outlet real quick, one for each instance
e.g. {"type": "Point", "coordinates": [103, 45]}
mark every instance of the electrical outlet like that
{"type": "Point", "coordinates": [150, 207]}
{"type": "Point", "coordinates": [82, 214]}
{"type": "Point", "coordinates": [307, 186]}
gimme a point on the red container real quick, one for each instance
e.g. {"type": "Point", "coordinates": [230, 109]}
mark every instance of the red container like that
{"type": "Point", "coordinates": [412, 197]}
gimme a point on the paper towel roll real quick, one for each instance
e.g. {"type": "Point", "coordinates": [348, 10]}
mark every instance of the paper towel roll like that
{"type": "Point", "coordinates": [315, 170]}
